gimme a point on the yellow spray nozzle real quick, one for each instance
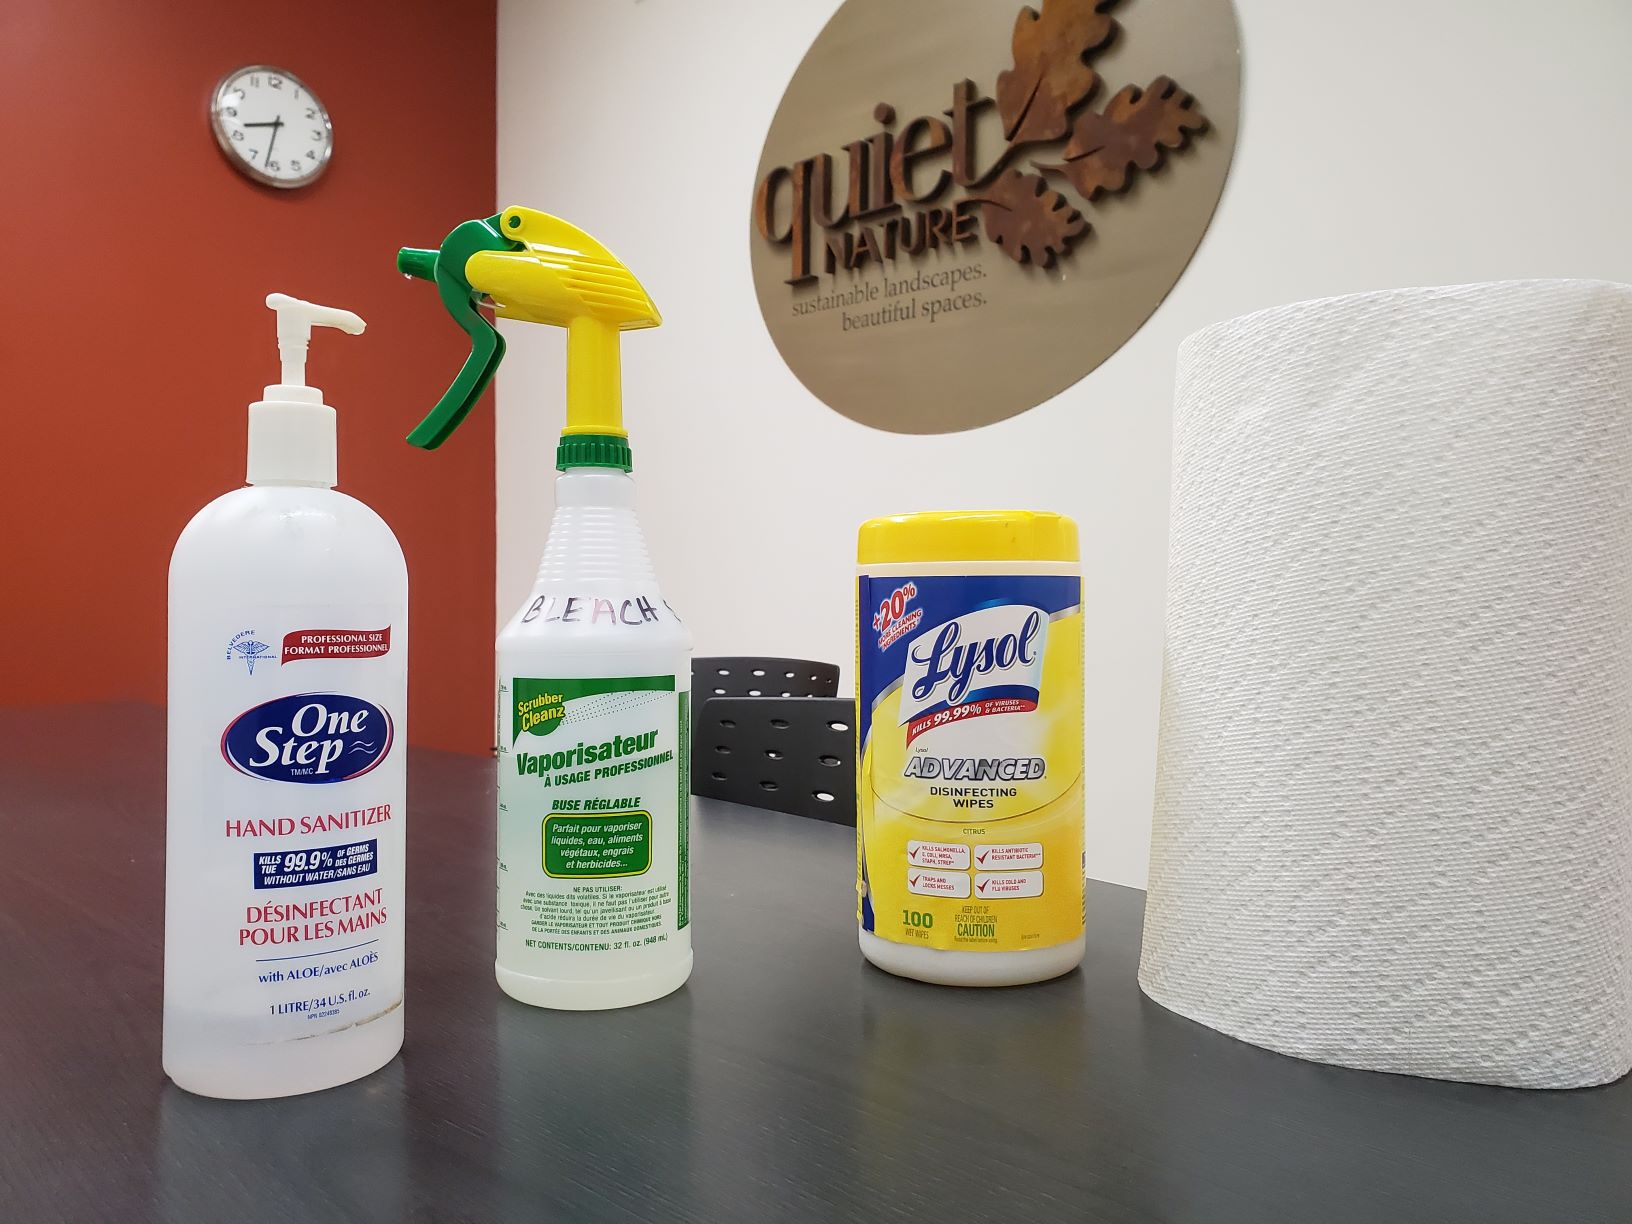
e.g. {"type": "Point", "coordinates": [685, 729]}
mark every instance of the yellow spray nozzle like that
{"type": "Point", "coordinates": [536, 268]}
{"type": "Point", "coordinates": [563, 277]}
{"type": "Point", "coordinates": [561, 274]}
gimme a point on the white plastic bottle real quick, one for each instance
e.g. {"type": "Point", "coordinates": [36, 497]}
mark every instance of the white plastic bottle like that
{"type": "Point", "coordinates": [594, 766]}
{"type": "Point", "coordinates": [283, 965]}
{"type": "Point", "coordinates": [594, 711]}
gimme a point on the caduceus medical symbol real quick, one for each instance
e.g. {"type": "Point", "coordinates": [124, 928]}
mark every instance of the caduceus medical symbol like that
{"type": "Point", "coordinates": [250, 651]}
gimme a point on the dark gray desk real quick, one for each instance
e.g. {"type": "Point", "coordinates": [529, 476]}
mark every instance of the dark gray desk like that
{"type": "Point", "coordinates": [787, 1081]}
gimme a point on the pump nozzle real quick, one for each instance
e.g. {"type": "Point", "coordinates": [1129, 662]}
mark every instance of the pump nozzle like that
{"type": "Point", "coordinates": [538, 269]}
{"type": "Point", "coordinates": [295, 322]}
{"type": "Point", "coordinates": [291, 429]}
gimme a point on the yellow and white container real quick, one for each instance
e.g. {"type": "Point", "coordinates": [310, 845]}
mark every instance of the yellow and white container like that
{"type": "Point", "coordinates": [969, 830]}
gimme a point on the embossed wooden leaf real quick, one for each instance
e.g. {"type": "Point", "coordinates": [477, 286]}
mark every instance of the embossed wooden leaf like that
{"type": "Point", "coordinates": [1029, 220]}
{"type": "Point", "coordinates": [1133, 130]}
{"type": "Point", "coordinates": [1050, 74]}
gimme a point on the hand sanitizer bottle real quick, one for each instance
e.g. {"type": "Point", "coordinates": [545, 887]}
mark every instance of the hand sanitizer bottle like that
{"type": "Point", "coordinates": [283, 948]}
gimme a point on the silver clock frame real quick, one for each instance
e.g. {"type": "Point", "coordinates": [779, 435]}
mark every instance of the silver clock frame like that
{"type": "Point", "coordinates": [224, 141]}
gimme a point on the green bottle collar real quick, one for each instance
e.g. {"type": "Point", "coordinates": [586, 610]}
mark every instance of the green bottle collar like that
{"type": "Point", "coordinates": [593, 450]}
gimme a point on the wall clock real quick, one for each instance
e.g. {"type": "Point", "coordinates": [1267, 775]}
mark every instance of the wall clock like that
{"type": "Point", "coordinates": [271, 126]}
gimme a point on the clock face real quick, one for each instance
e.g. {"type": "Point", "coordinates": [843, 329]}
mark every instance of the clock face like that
{"type": "Point", "coordinates": [271, 126]}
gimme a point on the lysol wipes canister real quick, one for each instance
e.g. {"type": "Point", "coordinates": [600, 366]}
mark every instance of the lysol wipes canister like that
{"type": "Point", "coordinates": [969, 831]}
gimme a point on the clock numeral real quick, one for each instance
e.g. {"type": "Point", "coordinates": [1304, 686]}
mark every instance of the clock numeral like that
{"type": "Point", "coordinates": [275, 82]}
{"type": "Point", "coordinates": [253, 154]}
{"type": "Point", "coordinates": [231, 112]}
{"type": "Point", "coordinates": [311, 154]}
{"type": "Point", "coordinates": [274, 164]}
{"type": "Point", "coordinates": [254, 82]}
{"type": "Point", "coordinates": [237, 135]}
{"type": "Point", "coordinates": [317, 135]}
{"type": "Point", "coordinates": [311, 112]}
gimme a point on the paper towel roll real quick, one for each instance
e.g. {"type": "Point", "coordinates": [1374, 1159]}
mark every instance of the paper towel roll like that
{"type": "Point", "coordinates": [1393, 821]}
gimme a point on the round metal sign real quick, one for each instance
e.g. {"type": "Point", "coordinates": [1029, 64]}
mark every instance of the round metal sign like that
{"type": "Point", "coordinates": [964, 206]}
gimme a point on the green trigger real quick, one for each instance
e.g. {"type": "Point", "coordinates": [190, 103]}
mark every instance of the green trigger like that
{"type": "Point", "coordinates": [445, 268]}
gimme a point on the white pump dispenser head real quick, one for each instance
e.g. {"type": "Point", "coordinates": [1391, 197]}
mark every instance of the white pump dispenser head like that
{"type": "Point", "coordinates": [291, 429]}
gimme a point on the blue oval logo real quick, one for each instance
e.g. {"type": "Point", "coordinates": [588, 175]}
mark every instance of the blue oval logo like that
{"type": "Point", "coordinates": [308, 738]}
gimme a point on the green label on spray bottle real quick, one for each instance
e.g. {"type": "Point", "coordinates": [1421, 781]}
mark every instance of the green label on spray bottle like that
{"type": "Point", "coordinates": [593, 800]}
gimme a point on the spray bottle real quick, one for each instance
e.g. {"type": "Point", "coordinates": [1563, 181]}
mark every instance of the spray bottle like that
{"type": "Point", "coordinates": [283, 917]}
{"type": "Point", "coordinates": [594, 668]}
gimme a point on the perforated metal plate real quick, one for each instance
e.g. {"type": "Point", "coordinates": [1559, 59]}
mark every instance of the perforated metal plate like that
{"type": "Point", "coordinates": [747, 676]}
{"type": "Point", "coordinates": [789, 754]}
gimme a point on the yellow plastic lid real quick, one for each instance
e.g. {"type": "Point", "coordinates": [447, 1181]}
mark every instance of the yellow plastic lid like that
{"type": "Point", "coordinates": [967, 535]}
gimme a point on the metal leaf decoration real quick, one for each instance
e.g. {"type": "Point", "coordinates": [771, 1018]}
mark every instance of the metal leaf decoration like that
{"type": "Point", "coordinates": [1133, 131]}
{"type": "Point", "coordinates": [1029, 220]}
{"type": "Point", "coordinates": [1051, 74]}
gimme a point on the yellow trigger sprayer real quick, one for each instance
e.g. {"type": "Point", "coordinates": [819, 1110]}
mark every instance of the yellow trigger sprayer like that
{"type": "Point", "coordinates": [594, 667]}
{"type": "Point", "coordinates": [538, 269]}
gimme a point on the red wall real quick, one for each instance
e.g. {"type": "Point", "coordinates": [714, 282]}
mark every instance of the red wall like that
{"type": "Point", "coordinates": [133, 331]}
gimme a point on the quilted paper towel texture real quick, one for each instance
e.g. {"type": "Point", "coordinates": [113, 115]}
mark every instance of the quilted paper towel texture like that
{"type": "Point", "coordinates": [1393, 823]}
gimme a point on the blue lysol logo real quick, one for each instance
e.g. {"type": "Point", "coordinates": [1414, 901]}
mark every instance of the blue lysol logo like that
{"type": "Point", "coordinates": [308, 738]}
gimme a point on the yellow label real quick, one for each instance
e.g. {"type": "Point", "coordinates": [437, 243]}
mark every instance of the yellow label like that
{"type": "Point", "coordinates": [969, 833]}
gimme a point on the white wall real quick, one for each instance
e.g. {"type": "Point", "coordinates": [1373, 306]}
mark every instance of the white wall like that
{"type": "Point", "coordinates": [1389, 143]}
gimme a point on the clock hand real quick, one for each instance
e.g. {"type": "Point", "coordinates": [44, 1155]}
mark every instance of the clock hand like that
{"type": "Point", "coordinates": [276, 124]}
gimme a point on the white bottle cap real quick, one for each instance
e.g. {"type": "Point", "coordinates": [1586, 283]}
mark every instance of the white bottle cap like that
{"type": "Point", "coordinates": [291, 429]}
